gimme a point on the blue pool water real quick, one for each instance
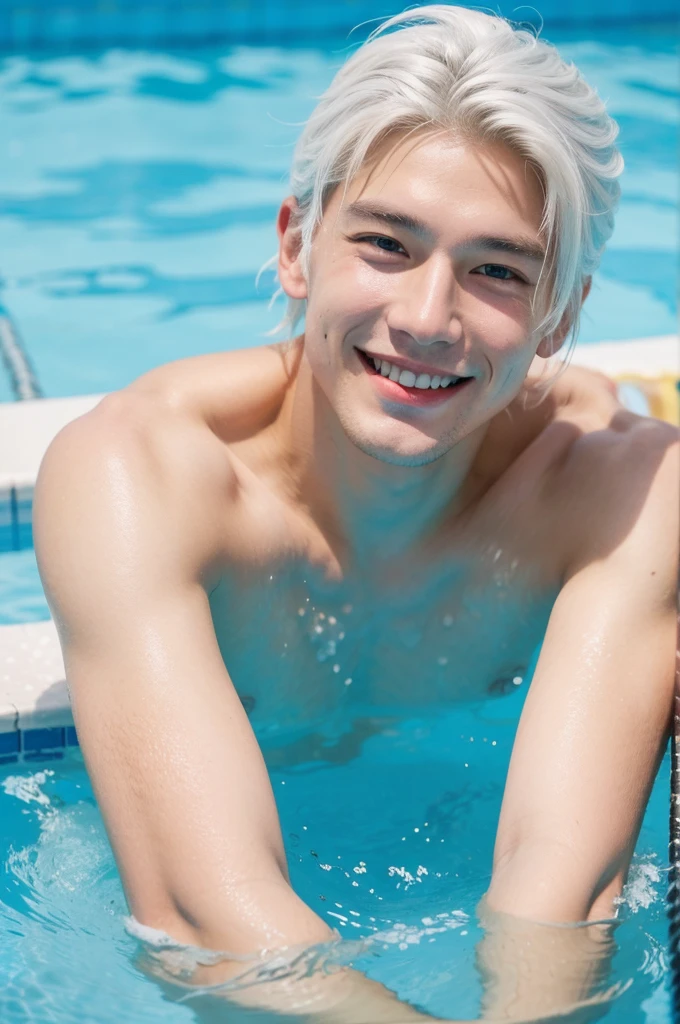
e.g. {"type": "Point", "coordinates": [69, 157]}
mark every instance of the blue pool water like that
{"type": "Point", "coordinates": [402, 863]}
{"type": "Point", "coordinates": [138, 193]}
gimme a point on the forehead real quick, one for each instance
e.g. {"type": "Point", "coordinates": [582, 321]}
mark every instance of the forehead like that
{"type": "Point", "coordinates": [448, 180]}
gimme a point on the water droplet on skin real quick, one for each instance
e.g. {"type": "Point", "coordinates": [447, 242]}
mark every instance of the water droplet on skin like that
{"type": "Point", "coordinates": [336, 668]}
{"type": "Point", "coordinates": [348, 682]}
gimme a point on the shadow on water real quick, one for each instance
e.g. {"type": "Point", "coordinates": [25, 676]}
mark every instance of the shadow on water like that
{"type": "Point", "coordinates": [648, 141]}
{"type": "Point", "coordinates": [43, 72]}
{"type": "Point", "coordinates": [654, 270]}
{"type": "Point", "coordinates": [118, 188]}
{"type": "Point", "coordinates": [183, 294]}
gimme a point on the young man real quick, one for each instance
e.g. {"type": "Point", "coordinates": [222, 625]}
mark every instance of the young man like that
{"type": "Point", "coordinates": [392, 466]}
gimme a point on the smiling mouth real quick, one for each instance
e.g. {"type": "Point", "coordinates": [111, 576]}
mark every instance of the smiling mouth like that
{"type": "Point", "coordinates": [408, 379]}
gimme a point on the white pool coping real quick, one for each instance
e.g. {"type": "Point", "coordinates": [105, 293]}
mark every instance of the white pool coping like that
{"type": "Point", "coordinates": [33, 689]}
{"type": "Point", "coordinates": [26, 430]}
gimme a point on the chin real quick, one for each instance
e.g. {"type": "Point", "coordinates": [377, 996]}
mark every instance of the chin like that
{"type": "Point", "coordinates": [398, 448]}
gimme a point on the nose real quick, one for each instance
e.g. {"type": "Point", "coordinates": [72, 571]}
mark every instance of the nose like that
{"type": "Point", "coordinates": [426, 306]}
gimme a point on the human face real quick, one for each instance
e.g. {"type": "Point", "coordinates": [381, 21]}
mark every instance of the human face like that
{"type": "Point", "coordinates": [430, 262]}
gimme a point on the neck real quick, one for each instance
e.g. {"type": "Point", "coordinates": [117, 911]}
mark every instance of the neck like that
{"type": "Point", "coordinates": [364, 506]}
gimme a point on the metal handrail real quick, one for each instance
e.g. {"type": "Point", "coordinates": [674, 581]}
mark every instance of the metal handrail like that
{"type": "Point", "coordinates": [674, 873]}
{"type": "Point", "coordinates": [22, 377]}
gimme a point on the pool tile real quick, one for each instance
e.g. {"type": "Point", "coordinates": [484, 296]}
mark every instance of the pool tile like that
{"type": "Point", "coordinates": [34, 740]}
{"type": "Point", "coordinates": [9, 742]}
{"type": "Point", "coordinates": [44, 755]}
{"type": "Point", "coordinates": [71, 736]}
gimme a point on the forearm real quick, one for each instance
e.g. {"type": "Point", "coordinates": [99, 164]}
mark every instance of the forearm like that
{"type": "Point", "coordinates": [531, 970]}
{"type": "Point", "coordinates": [297, 984]}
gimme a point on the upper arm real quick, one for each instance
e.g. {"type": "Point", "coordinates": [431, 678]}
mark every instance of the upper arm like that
{"type": "Point", "coordinates": [595, 721]}
{"type": "Point", "coordinates": [125, 529]}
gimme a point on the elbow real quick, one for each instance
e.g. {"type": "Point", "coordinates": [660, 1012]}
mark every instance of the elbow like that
{"type": "Point", "coordinates": [549, 883]}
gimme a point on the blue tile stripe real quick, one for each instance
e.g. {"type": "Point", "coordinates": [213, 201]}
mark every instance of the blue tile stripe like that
{"type": "Point", "coordinates": [36, 744]}
{"type": "Point", "coordinates": [16, 518]}
{"type": "Point", "coordinates": [65, 23]}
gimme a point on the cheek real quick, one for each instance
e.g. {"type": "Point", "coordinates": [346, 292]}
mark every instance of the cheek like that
{"type": "Point", "coordinates": [351, 287]}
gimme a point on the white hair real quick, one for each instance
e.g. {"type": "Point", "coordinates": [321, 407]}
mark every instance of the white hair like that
{"type": "Point", "coordinates": [477, 76]}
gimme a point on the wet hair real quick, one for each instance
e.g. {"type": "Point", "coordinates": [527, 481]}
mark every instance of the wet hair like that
{"type": "Point", "coordinates": [444, 68]}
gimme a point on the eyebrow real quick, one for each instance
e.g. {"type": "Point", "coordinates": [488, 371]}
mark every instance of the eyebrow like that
{"type": "Point", "coordinates": [519, 245]}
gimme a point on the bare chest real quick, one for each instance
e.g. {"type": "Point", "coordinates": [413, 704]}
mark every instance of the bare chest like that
{"type": "Point", "coordinates": [298, 652]}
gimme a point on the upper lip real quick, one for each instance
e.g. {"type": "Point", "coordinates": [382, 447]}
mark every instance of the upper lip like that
{"type": "Point", "coordinates": [415, 367]}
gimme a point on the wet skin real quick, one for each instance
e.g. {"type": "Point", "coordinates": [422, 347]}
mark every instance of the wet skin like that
{"type": "Point", "coordinates": [185, 524]}
{"type": "Point", "coordinates": [456, 618]}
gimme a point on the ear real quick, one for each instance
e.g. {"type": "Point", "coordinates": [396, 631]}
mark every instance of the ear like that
{"type": "Point", "coordinates": [290, 272]}
{"type": "Point", "coordinates": [551, 344]}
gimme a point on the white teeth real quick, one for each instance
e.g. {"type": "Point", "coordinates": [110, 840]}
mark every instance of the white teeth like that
{"type": "Point", "coordinates": [407, 378]}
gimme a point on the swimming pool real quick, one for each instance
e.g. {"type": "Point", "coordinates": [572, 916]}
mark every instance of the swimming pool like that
{"type": "Point", "coordinates": [400, 864]}
{"type": "Point", "coordinates": [138, 242]}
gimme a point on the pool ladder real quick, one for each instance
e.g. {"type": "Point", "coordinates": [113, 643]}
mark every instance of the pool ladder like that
{"type": "Point", "coordinates": [22, 377]}
{"type": "Point", "coordinates": [674, 873]}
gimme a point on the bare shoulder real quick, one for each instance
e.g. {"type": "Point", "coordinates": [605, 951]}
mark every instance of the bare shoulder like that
{"type": "Point", "coordinates": [165, 446]}
{"type": "Point", "coordinates": [615, 487]}
{"type": "Point", "coordinates": [170, 429]}
{"type": "Point", "coordinates": [135, 483]}
{"type": "Point", "coordinates": [235, 392]}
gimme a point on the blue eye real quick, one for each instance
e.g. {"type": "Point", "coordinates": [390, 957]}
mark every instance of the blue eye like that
{"type": "Point", "coordinates": [498, 272]}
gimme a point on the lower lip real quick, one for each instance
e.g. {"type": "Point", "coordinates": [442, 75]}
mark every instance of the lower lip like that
{"type": "Point", "coordinates": [395, 392]}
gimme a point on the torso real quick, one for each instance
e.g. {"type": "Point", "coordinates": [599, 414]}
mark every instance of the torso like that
{"type": "Point", "coordinates": [304, 639]}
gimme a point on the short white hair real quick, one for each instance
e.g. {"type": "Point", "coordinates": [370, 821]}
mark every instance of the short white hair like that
{"type": "Point", "coordinates": [449, 68]}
